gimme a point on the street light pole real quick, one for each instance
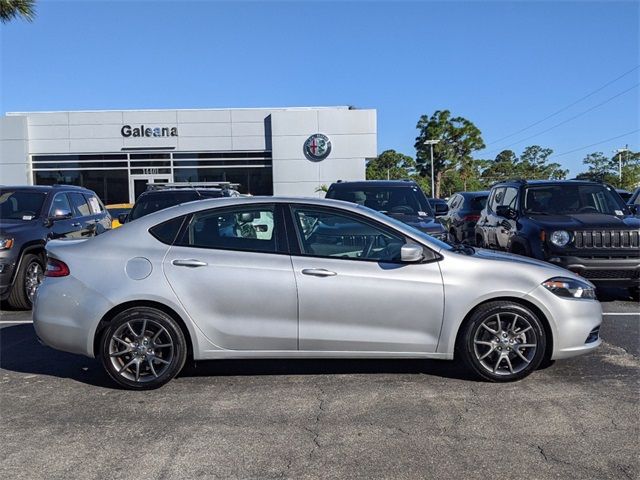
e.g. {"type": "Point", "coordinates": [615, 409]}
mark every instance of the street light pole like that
{"type": "Point", "coordinates": [620, 151]}
{"type": "Point", "coordinates": [431, 143]}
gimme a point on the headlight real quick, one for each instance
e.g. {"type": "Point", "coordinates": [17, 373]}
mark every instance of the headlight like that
{"type": "Point", "coordinates": [560, 238]}
{"type": "Point", "coordinates": [6, 243]}
{"type": "Point", "coordinates": [570, 288]}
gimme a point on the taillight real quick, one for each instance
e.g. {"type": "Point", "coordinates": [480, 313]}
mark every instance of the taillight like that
{"type": "Point", "coordinates": [56, 268]}
{"type": "Point", "coordinates": [471, 218]}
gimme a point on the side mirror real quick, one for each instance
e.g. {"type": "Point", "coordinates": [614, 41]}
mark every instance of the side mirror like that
{"type": "Point", "coordinates": [122, 218]}
{"type": "Point", "coordinates": [506, 212]}
{"type": "Point", "coordinates": [60, 214]}
{"type": "Point", "coordinates": [411, 253]}
{"type": "Point", "coordinates": [441, 209]}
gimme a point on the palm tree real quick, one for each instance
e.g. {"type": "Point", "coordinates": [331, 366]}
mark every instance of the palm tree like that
{"type": "Point", "coordinates": [10, 9]}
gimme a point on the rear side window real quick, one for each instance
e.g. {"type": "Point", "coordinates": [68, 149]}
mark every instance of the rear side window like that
{"type": "Point", "coordinates": [60, 203]}
{"type": "Point", "coordinates": [94, 203]}
{"type": "Point", "coordinates": [167, 232]}
{"type": "Point", "coordinates": [251, 228]}
{"type": "Point", "coordinates": [80, 205]}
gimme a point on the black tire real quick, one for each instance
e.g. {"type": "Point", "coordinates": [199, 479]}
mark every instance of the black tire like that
{"type": "Point", "coordinates": [469, 353]}
{"type": "Point", "coordinates": [634, 293]}
{"type": "Point", "coordinates": [152, 320]}
{"type": "Point", "coordinates": [18, 297]}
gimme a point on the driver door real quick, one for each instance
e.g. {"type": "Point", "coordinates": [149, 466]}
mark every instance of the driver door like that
{"type": "Point", "coordinates": [353, 292]}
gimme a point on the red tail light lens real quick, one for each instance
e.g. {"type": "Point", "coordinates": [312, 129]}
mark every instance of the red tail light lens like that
{"type": "Point", "coordinates": [56, 268]}
{"type": "Point", "coordinates": [471, 218]}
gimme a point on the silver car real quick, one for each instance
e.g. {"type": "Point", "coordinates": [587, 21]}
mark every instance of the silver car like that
{"type": "Point", "coordinates": [298, 278]}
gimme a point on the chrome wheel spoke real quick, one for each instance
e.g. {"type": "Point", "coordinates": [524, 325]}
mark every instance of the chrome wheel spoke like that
{"type": "Point", "coordinates": [482, 342]}
{"type": "Point", "coordinates": [144, 327]}
{"type": "Point", "coordinates": [508, 360]}
{"type": "Point", "coordinates": [490, 330]}
{"type": "Point", "coordinates": [163, 345]}
{"type": "Point", "coordinates": [161, 360]}
{"type": "Point", "coordinates": [119, 340]}
{"type": "Point", "coordinates": [495, 368]}
{"type": "Point", "coordinates": [138, 370]}
{"type": "Point", "coordinates": [118, 354]}
{"type": "Point", "coordinates": [526, 345]}
{"type": "Point", "coordinates": [153, 370]}
{"type": "Point", "coordinates": [133, 332]}
{"type": "Point", "coordinates": [525, 330]}
{"type": "Point", "coordinates": [498, 320]}
{"type": "Point", "coordinates": [519, 353]}
{"type": "Point", "coordinates": [493, 349]}
{"type": "Point", "coordinates": [127, 365]}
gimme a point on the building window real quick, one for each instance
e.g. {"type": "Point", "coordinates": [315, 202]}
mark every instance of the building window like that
{"type": "Point", "coordinates": [256, 181]}
{"type": "Point", "coordinates": [111, 186]}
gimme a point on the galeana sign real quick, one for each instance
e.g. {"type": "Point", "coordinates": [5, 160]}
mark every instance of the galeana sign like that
{"type": "Point", "coordinates": [142, 131]}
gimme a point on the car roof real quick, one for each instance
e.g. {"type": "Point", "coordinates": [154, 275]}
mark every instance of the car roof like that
{"type": "Point", "coordinates": [482, 193]}
{"type": "Point", "coordinates": [546, 182]}
{"type": "Point", "coordinates": [44, 188]}
{"type": "Point", "coordinates": [375, 183]}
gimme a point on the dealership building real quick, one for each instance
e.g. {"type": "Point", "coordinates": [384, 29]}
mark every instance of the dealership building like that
{"type": "Point", "coordinates": [272, 151]}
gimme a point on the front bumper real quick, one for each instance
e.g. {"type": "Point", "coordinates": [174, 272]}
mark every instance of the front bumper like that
{"type": "Point", "coordinates": [573, 322]}
{"type": "Point", "coordinates": [611, 272]}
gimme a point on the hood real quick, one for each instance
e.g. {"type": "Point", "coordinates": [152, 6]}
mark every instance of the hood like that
{"type": "Point", "coordinates": [586, 221]}
{"type": "Point", "coordinates": [421, 222]}
{"type": "Point", "coordinates": [511, 257]}
{"type": "Point", "coordinates": [13, 227]}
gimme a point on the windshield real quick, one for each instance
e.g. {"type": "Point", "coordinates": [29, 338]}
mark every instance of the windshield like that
{"type": "Point", "coordinates": [154, 202]}
{"type": "Point", "coordinates": [567, 199]}
{"type": "Point", "coordinates": [405, 200]}
{"type": "Point", "coordinates": [20, 205]}
{"type": "Point", "coordinates": [403, 226]}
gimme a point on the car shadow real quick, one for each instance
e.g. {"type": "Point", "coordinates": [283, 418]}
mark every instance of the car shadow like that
{"type": "Point", "coordinates": [610, 294]}
{"type": "Point", "coordinates": [21, 352]}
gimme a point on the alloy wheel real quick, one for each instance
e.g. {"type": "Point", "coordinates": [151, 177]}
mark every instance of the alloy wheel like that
{"type": "Point", "coordinates": [505, 343]}
{"type": "Point", "coordinates": [32, 279]}
{"type": "Point", "coordinates": [141, 350]}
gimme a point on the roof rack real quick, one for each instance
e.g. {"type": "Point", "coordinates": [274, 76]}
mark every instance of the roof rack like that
{"type": "Point", "coordinates": [177, 185]}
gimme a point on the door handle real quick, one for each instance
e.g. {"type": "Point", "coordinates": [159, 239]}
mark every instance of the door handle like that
{"type": "Point", "coordinates": [189, 263]}
{"type": "Point", "coordinates": [318, 272]}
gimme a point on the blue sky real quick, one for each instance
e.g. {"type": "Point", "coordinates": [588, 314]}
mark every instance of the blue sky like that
{"type": "Point", "coordinates": [502, 65]}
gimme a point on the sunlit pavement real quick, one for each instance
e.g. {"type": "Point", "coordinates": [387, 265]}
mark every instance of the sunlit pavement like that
{"type": "Point", "coordinates": [62, 418]}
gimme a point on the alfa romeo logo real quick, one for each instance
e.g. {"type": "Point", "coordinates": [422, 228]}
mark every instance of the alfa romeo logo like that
{"type": "Point", "coordinates": [317, 147]}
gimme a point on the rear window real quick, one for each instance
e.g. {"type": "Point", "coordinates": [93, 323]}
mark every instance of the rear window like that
{"type": "Point", "coordinates": [477, 203]}
{"type": "Point", "coordinates": [153, 202]}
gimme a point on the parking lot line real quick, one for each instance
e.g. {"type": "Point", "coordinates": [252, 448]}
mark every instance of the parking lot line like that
{"type": "Point", "coordinates": [15, 321]}
{"type": "Point", "coordinates": [621, 314]}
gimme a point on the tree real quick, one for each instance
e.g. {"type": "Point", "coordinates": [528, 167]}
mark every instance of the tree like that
{"type": "Point", "coordinates": [533, 164]}
{"type": "Point", "coordinates": [390, 165]}
{"type": "Point", "coordinates": [605, 169]}
{"type": "Point", "coordinates": [458, 139]}
{"type": "Point", "coordinates": [10, 9]}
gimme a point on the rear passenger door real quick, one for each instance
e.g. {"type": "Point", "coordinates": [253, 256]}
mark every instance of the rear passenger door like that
{"type": "Point", "coordinates": [84, 223]}
{"type": "Point", "coordinates": [62, 228]}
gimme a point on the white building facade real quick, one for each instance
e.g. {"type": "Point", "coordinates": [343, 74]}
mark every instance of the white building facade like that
{"type": "Point", "coordinates": [279, 151]}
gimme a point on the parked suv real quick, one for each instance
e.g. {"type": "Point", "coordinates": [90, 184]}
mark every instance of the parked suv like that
{"type": "Point", "coordinates": [399, 199]}
{"type": "Point", "coordinates": [29, 217]}
{"type": "Point", "coordinates": [164, 195]}
{"type": "Point", "coordinates": [464, 212]}
{"type": "Point", "coordinates": [579, 225]}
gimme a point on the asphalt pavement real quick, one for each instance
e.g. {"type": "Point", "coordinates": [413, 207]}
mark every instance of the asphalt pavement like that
{"type": "Point", "coordinates": [578, 418]}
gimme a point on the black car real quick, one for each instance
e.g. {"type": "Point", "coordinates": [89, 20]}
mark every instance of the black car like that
{"type": "Point", "coordinates": [164, 195]}
{"type": "Point", "coordinates": [400, 199]}
{"type": "Point", "coordinates": [29, 217]}
{"type": "Point", "coordinates": [464, 212]}
{"type": "Point", "coordinates": [635, 199]}
{"type": "Point", "coordinates": [579, 225]}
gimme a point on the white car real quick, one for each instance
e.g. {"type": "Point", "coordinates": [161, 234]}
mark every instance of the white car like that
{"type": "Point", "coordinates": [297, 278]}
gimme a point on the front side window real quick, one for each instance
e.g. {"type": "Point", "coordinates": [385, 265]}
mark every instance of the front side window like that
{"type": "Point", "coordinates": [509, 198]}
{"type": "Point", "coordinates": [247, 228]}
{"type": "Point", "coordinates": [60, 204]}
{"type": "Point", "coordinates": [326, 233]}
{"type": "Point", "coordinates": [80, 205]}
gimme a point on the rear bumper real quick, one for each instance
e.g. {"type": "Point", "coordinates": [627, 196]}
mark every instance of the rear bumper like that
{"type": "Point", "coordinates": [66, 314]}
{"type": "Point", "coordinates": [614, 272]}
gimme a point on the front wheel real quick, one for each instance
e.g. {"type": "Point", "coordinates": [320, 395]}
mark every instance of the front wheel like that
{"type": "Point", "coordinates": [143, 348]}
{"type": "Point", "coordinates": [502, 342]}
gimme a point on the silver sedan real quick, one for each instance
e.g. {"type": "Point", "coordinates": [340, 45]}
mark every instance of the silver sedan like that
{"type": "Point", "coordinates": [299, 278]}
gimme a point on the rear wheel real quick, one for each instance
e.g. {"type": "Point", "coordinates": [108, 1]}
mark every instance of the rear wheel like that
{"type": "Point", "coordinates": [502, 342]}
{"type": "Point", "coordinates": [27, 280]}
{"type": "Point", "coordinates": [143, 348]}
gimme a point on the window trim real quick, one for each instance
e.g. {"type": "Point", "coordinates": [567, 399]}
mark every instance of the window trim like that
{"type": "Point", "coordinates": [281, 240]}
{"type": "Point", "coordinates": [296, 238]}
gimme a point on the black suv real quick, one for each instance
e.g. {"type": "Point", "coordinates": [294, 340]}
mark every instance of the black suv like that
{"type": "Point", "coordinates": [579, 225]}
{"type": "Point", "coordinates": [159, 196]}
{"type": "Point", "coordinates": [399, 199]}
{"type": "Point", "coordinates": [464, 212]}
{"type": "Point", "coordinates": [29, 217]}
